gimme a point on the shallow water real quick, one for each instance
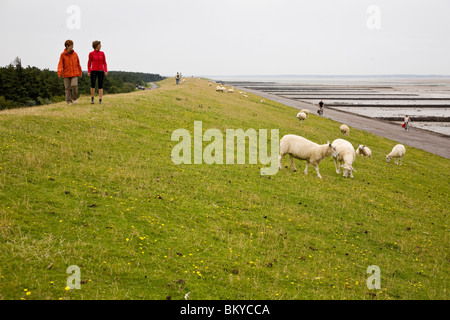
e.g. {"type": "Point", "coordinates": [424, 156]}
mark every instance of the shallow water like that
{"type": "Point", "coordinates": [382, 96]}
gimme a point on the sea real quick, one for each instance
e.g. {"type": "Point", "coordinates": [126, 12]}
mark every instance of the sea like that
{"type": "Point", "coordinates": [426, 99]}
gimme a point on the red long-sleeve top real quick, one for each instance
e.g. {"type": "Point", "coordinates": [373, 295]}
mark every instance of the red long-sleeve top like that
{"type": "Point", "coordinates": [97, 61]}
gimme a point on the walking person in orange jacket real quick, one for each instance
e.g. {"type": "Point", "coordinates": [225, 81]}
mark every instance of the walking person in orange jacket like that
{"type": "Point", "coordinates": [97, 69]}
{"type": "Point", "coordinates": [70, 69]}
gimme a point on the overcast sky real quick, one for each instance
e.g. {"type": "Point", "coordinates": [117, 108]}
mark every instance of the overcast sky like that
{"type": "Point", "coordinates": [234, 37]}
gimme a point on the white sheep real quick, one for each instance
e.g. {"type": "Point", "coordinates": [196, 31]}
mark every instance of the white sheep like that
{"type": "Point", "coordinates": [344, 129]}
{"type": "Point", "coordinates": [304, 149]}
{"type": "Point", "coordinates": [230, 90]}
{"type": "Point", "coordinates": [306, 111]}
{"type": "Point", "coordinates": [347, 155]}
{"type": "Point", "coordinates": [220, 89]}
{"type": "Point", "coordinates": [397, 152]}
{"type": "Point", "coordinates": [363, 150]}
{"type": "Point", "coordinates": [263, 100]}
{"type": "Point", "coordinates": [301, 116]}
{"type": "Point", "coordinates": [245, 96]}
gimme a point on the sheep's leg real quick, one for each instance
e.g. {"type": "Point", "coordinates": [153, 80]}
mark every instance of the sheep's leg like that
{"type": "Point", "coordinates": [317, 170]}
{"type": "Point", "coordinates": [400, 160]}
{"type": "Point", "coordinates": [292, 163]}
{"type": "Point", "coordinates": [338, 170]}
{"type": "Point", "coordinates": [306, 167]}
{"type": "Point", "coordinates": [279, 161]}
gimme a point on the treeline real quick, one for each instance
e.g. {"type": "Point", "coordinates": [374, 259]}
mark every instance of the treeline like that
{"type": "Point", "coordinates": [32, 86]}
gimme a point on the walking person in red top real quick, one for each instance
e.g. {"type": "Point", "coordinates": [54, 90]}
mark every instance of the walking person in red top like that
{"type": "Point", "coordinates": [97, 69]}
{"type": "Point", "coordinates": [70, 69]}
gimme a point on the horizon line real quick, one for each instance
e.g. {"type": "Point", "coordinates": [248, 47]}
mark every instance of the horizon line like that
{"type": "Point", "coordinates": [331, 75]}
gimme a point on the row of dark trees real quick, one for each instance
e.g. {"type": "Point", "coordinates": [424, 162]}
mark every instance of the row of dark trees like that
{"type": "Point", "coordinates": [32, 86]}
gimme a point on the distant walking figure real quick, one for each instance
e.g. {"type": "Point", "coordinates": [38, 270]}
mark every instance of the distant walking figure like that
{"type": "Point", "coordinates": [406, 122]}
{"type": "Point", "coordinates": [320, 111]}
{"type": "Point", "coordinates": [177, 78]}
{"type": "Point", "coordinates": [97, 69]}
{"type": "Point", "coordinates": [70, 69]}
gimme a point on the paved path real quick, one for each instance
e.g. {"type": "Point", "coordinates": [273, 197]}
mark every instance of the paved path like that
{"type": "Point", "coordinates": [432, 142]}
{"type": "Point", "coordinates": [154, 86]}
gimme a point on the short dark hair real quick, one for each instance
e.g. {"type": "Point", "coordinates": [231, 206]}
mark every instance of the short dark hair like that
{"type": "Point", "coordinates": [95, 44]}
{"type": "Point", "coordinates": [68, 43]}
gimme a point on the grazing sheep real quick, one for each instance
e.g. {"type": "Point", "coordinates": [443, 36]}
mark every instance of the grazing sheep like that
{"type": "Point", "coordinates": [363, 150]}
{"type": "Point", "coordinates": [304, 149]}
{"type": "Point", "coordinates": [397, 152]}
{"type": "Point", "coordinates": [347, 155]}
{"type": "Point", "coordinates": [262, 100]}
{"type": "Point", "coordinates": [306, 111]}
{"type": "Point", "coordinates": [220, 89]}
{"type": "Point", "coordinates": [301, 116]}
{"type": "Point", "coordinates": [230, 90]}
{"type": "Point", "coordinates": [245, 96]}
{"type": "Point", "coordinates": [344, 129]}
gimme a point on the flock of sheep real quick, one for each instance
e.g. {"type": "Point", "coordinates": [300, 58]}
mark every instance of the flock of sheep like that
{"type": "Point", "coordinates": [341, 150]}
{"type": "Point", "coordinates": [222, 89]}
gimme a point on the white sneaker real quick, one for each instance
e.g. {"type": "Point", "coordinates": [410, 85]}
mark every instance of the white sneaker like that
{"type": "Point", "coordinates": [69, 103]}
{"type": "Point", "coordinates": [76, 102]}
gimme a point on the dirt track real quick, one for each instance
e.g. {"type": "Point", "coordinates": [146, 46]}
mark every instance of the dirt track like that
{"type": "Point", "coordinates": [432, 142]}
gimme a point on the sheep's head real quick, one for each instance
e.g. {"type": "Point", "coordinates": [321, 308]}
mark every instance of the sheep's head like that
{"type": "Point", "coordinates": [332, 149]}
{"type": "Point", "coordinates": [347, 169]}
{"type": "Point", "coordinates": [388, 158]}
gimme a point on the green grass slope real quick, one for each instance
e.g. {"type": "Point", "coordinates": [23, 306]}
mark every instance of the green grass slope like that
{"type": "Point", "coordinates": [94, 186]}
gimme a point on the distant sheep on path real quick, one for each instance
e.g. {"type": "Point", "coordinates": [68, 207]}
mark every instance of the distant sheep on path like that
{"type": "Point", "coordinates": [397, 152]}
{"type": "Point", "coordinates": [304, 149]}
{"type": "Point", "coordinates": [344, 129]}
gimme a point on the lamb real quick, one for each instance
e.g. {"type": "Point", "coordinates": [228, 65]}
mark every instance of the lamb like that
{"type": "Point", "coordinates": [230, 90]}
{"type": "Point", "coordinates": [344, 129]}
{"type": "Point", "coordinates": [301, 116]}
{"type": "Point", "coordinates": [364, 151]}
{"type": "Point", "coordinates": [347, 155]}
{"type": "Point", "coordinates": [304, 149]}
{"type": "Point", "coordinates": [397, 152]}
{"type": "Point", "coordinates": [220, 89]}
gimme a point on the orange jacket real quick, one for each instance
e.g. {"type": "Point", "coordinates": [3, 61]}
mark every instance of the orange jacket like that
{"type": "Point", "coordinates": [69, 65]}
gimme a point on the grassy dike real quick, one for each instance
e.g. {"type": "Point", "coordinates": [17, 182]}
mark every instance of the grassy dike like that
{"type": "Point", "coordinates": [94, 186]}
